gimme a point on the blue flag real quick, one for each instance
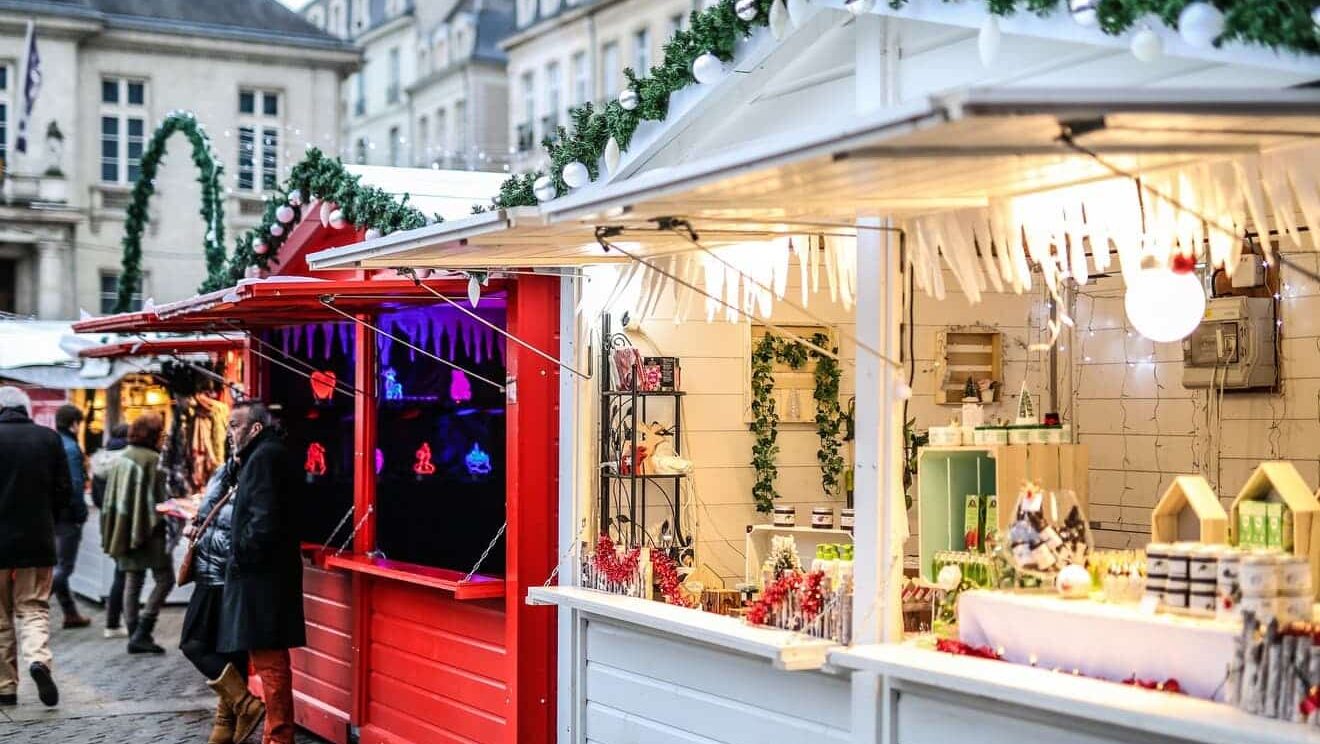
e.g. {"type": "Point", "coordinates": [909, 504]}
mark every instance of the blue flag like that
{"type": "Point", "coordinates": [31, 86]}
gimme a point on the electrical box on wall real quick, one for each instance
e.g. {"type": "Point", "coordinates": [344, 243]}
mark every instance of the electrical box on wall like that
{"type": "Point", "coordinates": [1234, 347]}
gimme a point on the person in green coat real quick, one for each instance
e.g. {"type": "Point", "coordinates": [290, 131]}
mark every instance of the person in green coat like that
{"type": "Point", "coordinates": [133, 532]}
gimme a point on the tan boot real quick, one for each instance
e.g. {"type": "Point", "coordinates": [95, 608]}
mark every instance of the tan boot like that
{"type": "Point", "coordinates": [245, 708]}
{"type": "Point", "coordinates": [222, 727]}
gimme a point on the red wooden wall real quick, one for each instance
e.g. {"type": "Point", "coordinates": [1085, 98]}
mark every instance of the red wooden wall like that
{"type": "Point", "coordinates": [322, 670]}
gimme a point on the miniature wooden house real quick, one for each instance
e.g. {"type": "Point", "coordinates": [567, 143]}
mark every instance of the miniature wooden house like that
{"type": "Point", "coordinates": [1279, 482]}
{"type": "Point", "coordinates": [1189, 510]}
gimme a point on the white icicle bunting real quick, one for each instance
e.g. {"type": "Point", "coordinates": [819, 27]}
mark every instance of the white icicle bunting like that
{"type": "Point", "coordinates": [831, 269]}
{"type": "Point", "coordinates": [778, 20]}
{"type": "Point", "coordinates": [1275, 170]}
{"type": "Point", "coordinates": [798, 246]}
{"type": "Point", "coordinates": [1249, 180]}
{"type": "Point", "coordinates": [798, 10]}
{"type": "Point", "coordinates": [1302, 173]}
{"type": "Point", "coordinates": [980, 232]}
{"type": "Point", "coordinates": [813, 251]}
{"type": "Point", "coordinates": [612, 157]}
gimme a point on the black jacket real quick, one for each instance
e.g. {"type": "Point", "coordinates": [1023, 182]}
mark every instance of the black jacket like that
{"type": "Point", "coordinates": [211, 558]}
{"type": "Point", "coordinates": [34, 488]}
{"type": "Point", "coordinates": [263, 604]}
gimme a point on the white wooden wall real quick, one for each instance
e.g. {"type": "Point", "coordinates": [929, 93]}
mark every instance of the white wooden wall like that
{"type": "Point", "coordinates": [639, 687]}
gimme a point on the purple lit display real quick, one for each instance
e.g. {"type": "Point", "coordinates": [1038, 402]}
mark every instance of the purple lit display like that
{"type": "Point", "coordinates": [460, 388]}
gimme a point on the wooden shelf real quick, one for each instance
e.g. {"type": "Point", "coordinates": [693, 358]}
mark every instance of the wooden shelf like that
{"type": "Point", "coordinates": [444, 579]}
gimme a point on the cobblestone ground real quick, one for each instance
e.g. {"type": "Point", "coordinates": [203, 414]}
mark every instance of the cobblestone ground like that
{"type": "Point", "coordinates": [110, 697]}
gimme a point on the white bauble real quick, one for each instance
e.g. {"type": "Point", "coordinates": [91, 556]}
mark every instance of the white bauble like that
{"type": "Point", "coordinates": [1073, 582]}
{"type": "Point", "coordinates": [746, 10]}
{"type": "Point", "coordinates": [252, 272]}
{"type": "Point", "coordinates": [1147, 46]}
{"type": "Point", "coordinates": [1164, 306]}
{"type": "Point", "coordinates": [576, 175]}
{"type": "Point", "coordinates": [859, 7]}
{"type": "Point", "coordinates": [371, 234]}
{"type": "Point", "coordinates": [628, 99]}
{"type": "Point", "coordinates": [798, 10]}
{"type": "Point", "coordinates": [778, 20]}
{"type": "Point", "coordinates": [1200, 24]}
{"type": "Point", "coordinates": [949, 577]}
{"type": "Point", "coordinates": [707, 68]}
{"type": "Point", "coordinates": [988, 41]}
{"type": "Point", "coordinates": [276, 230]}
{"type": "Point", "coordinates": [337, 219]}
{"type": "Point", "coordinates": [1315, 19]}
{"type": "Point", "coordinates": [902, 390]}
{"type": "Point", "coordinates": [326, 208]}
{"type": "Point", "coordinates": [1084, 12]}
{"type": "Point", "coordinates": [544, 189]}
{"type": "Point", "coordinates": [612, 156]}
{"type": "Point", "coordinates": [284, 213]}
{"type": "Point", "coordinates": [295, 198]}
{"type": "Point", "coordinates": [260, 248]}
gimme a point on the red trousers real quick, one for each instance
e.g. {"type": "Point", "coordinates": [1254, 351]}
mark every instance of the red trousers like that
{"type": "Point", "coordinates": [272, 666]}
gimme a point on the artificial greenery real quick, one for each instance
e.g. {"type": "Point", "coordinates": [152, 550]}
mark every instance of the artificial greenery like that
{"type": "Point", "coordinates": [830, 418]}
{"type": "Point", "coordinates": [209, 171]}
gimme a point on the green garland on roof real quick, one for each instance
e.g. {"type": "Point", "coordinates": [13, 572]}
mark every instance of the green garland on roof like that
{"type": "Point", "coordinates": [136, 215]}
{"type": "Point", "coordinates": [1278, 24]}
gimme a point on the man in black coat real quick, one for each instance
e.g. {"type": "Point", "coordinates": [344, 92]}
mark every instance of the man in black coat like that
{"type": "Point", "coordinates": [262, 609]}
{"type": "Point", "coordinates": [34, 488]}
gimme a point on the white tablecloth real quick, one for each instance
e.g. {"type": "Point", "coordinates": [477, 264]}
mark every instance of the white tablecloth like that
{"type": "Point", "coordinates": [1101, 640]}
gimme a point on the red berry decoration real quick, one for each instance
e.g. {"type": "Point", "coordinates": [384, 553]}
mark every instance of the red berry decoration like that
{"type": "Point", "coordinates": [1183, 263]}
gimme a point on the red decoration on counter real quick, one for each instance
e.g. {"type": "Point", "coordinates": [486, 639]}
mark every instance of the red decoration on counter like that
{"type": "Point", "coordinates": [424, 466]}
{"type": "Point", "coordinates": [665, 570]}
{"type": "Point", "coordinates": [323, 384]}
{"type": "Point", "coordinates": [1169, 685]}
{"type": "Point", "coordinates": [958, 648]}
{"type": "Point", "coordinates": [315, 462]}
{"type": "Point", "coordinates": [1311, 703]}
{"type": "Point", "coordinates": [774, 595]}
{"type": "Point", "coordinates": [616, 568]}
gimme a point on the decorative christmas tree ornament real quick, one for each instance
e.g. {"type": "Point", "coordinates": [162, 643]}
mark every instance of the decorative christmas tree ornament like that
{"type": "Point", "coordinates": [423, 466]}
{"type": "Point", "coordinates": [798, 10]}
{"type": "Point", "coordinates": [949, 577]}
{"type": "Point", "coordinates": [284, 214]}
{"type": "Point", "coordinates": [260, 248]}
{"type": "Point", "coordinates": [323, 384]}
{"type": "Point", "coordinates": [746, 10]}
{"type": "Point", "coordinates": [628, 99]}
{"type": "Point", "coordinates": [707, 69]}
{"type": "Point", "coordinates": [474, 290]}
{"type": "Point", "coordinates": [380, 461]}
{"type": "Point", "coordinates": [612, 156]}
{"type": "Point", "coordinates": [477, 461]}
{"type": "Point", "coordinates": [1026, 412]}
{"type": "Point", "coordinates": [859, 7]}
{"type": "Point", "coordinates": [778, 20]}
{"type": "Point", "coordinates": [252, 272]}
{"type": "Point", "coordinates": [1200, 24]}
{"type": "Point", "coordinates": [295, 198]}
{"type": "Point", "coordinates": [544, 189]}
{"type": "Point", "coordinates": [393, 388]}
{"type": "Point", "coordinates": [1147, 46]}
{"type": "Point", "coordinates": [1073, 582]}
{"type": "Point", "coordinates": [337, 219]}
{"type": "Point", "coordinates": [460, 388]}
{"type": "Point", "coordinates": [276, 230]}
{"type": "Point", "coordinates": [371, 234]}
{"type": "Point", "coordinates": [314, 463]}
{"type": "Point", "coordinates": [576, 175]}
{"type": "Point", "coordinates": [1164, 304]}
{"type": "Point", "coordinates": [988, 41]}
{"type": "Point", "coordinates": [1084, 12]}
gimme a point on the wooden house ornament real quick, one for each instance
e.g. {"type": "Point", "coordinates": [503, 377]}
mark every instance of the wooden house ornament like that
{"type": "Point", "coordinates": [1279, 482]}
{"type": "Point", "coordinates": [1189, 510]}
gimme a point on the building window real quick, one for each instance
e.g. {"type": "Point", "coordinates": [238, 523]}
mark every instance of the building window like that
{"type": "Point", "coordinates": [527, 127]}
{"type": "Point", "coordinates": [392, 90]}
{"type": "Point", "coordinates": [609, 69]}
{"type": "Point", "coordinates": [4, 114]}
{"type": "Point", "coordinates": [110, 293]}
{"type": "Point", "coordinates": [461, 128]}
{"type": "Point", "coordinates": [360, 151]}
{"type": "Point", "coordinates": [642, 51]}
{"type": "Point", "coordinates": [394, 7]}
{"type": "Point", "coordinates": [395, 141]}
{"type": "Point", "coordinates": [258, 139]}
{"type": "Point", "coordinates": [423, 156]}
{"type": "Point", "coordinates": [316, 17]}
{"type": "Point", "coordinates": [123, 129]}
{"type": "Point", "coordinates": [553, 99]}
{"type": "Point", "coordinates": [675, 23]}
{"type": "Point", "coordinates": [360, 94]}
{"type": "Point", "coordinates": [581, 79]}
{"type": "Point", "coordinates": [338, 24]}
{"type": "Point", "coordinates": [361, 14]}
{"type": "Point", "coordinates": [442, 133]}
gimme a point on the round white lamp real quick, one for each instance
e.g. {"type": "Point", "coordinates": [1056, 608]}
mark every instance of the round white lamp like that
{"type": "Point", "coordinates": [1164, 305]}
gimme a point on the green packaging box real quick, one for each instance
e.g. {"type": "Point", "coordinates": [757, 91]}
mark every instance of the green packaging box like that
{"type": "Point", "coordinates": [1274, 525]}
{"type": "Point", "coordinates": [1251, 524]}
{"type": "Point", "coordinates": [973, 529]}
{"type": "Point", "coordinates": [991, 530]}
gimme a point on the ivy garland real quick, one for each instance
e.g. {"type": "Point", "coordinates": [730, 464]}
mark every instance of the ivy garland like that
{"type": "Point", "coordinates": [830, 418]}
{"type": "Point", "coordinates": [1278, 24]}
{"type": "Point", "coordinates": [136, 215]}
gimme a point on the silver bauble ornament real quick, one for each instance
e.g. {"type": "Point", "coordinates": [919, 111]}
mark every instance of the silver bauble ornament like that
{"type": "Point", "coordinates": [746, 10]}
{"type": "Point", "coordinates": [576, 175]}
{"type": "Point", "coordinates": [1200, 24]}
{"type": "Point", "coordinates": [1085, 12]}
{"type": "Point", "coordinates": [628, 99]}
{"type": "Point", "coordinates": [544, 189]}
{"type": "Point", "coordinates": [1147, 46]}
{"type": "Point", "coordinates": [707, 68]}
{"type": "Point", "coordinates": [260, 248]}
{"type": "Point", "coordinates": [295, 198]}
{"type": "Point", "coordinates": [371, 234]}
{"type": "Point", "coordinates": [276, 230]}
{"type": "Point", "coordinates": [284, 213]}
{"type": "Point", "coordinates": [859, 7]}
{"type": "Point", "coordinates": [337, 219]}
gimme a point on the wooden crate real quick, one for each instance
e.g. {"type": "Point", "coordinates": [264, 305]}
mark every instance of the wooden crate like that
{"type": "Point", "coordinates": [968, 352]}
{"type": "Point", "coordinates": [1282, 478]}
{"type": "Point", "coordinates": [1189, 510]}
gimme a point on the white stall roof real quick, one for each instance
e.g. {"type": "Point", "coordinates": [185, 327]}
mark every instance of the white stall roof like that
{"type": "Point", "coordinates": [950, 152]}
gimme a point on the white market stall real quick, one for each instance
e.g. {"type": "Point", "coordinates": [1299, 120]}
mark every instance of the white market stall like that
{"type": "Point", "coordinates": [898, 183]}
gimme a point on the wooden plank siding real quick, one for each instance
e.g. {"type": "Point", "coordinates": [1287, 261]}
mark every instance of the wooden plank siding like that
{"type": "Point", "coordinates": [322, 670]}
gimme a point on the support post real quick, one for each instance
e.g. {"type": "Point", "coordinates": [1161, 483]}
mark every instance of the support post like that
{"type": "Point", "coordinates": [570, 474]}
{"type": "Point", "coordinates": [364, 500]}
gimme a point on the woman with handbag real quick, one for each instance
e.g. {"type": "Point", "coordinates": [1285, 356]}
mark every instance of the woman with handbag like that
{"type": "Point", "coordinates": [238, 712]}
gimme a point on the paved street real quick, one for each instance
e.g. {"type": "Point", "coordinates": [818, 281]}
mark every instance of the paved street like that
{"type": "Point", "coordinates": [109, 696]}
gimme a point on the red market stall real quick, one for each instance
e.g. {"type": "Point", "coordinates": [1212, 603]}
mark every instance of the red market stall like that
{"type": "Point", "coordinates": [412, 415]}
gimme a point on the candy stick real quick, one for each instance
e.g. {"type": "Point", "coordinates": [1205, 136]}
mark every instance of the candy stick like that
{"type": "Point", "coordinates": [1272, 667]}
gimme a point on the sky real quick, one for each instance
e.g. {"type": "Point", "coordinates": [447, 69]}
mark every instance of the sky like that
{"type": "Point", "coordinates": [294, 4]}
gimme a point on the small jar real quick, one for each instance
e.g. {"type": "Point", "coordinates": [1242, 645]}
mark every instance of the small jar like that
{"type": "Point", "coordinates": [1179, 560]}
{"type": "Point", "coordinates": [1154, 591]}
{"type": "Point", "coordinates": [1157, 559]}
{"type": "Point", "coordinates": [1258, 575]}
{"type": "Point", "coordinates": [1203, 564]}
{"type": "Point", "coordinates": [1175, 594]}
{"type": "Point", "coordinates": [822, 518]}
{"type": "Point", "coordinates": [1294, 576]}
{"type": "Point", "coordinates": [847, 519]}
{"type": "Point", "coordinates": [1201, 600]}
{"type": "Point", "coordinates": [785, 516]}
{"type": "Point", "coordinates": [1294, 609]}
{"type": "Point", "coordinates": [1227, 567]}
{"type": "Point", "coordinates": [1264, 608]}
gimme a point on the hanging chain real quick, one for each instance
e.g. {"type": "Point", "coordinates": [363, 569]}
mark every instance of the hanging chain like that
{"type": "Point", "coordinates": [486, 552]}
{"type": "Point", "coordinates": [356, 527]}
{"type": "Point", "coordinates": [566, 555]}
{"type": "Point", "coordinates": [329, 539]}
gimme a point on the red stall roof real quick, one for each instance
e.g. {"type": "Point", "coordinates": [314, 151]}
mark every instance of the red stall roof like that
{"type": "Point", "coordinates": [281, 301]}
{"type": "Point", "coordinates": [166, 346]}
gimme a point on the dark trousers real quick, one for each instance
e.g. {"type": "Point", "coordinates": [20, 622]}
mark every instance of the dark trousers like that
{"type": "Point", "coordinates": [114, 605]}
{"type": "Point", "coordinates": [68, 535]}
{"type": "Point", "coordinates": [134, 581]}
{"type": "Point", "coordinates": [201, 632]}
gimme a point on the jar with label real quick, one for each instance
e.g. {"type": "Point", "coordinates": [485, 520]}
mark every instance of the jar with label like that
{"type": "Point", "coordinates": [1294, 609]}
{"type": "Point", "coordinates": [1179, 556]}
{"type": "Point", "coordinates": [1264, 608]}
{"type": "Point", "coordinates": [785, 516]}
{"type": "Point", "coordinates": [1203, 563]}
{"type": "Point", "coordinates": [847, 519]}
{"type": "Point", "coordinates": [1154, 591]}
{"type": "Point", "coordinates": [1201, 599]}
{"type": "Point", "coordinates": [1294, 576]}
{"type": "Point", "coordinates": [1175, 594]}
{"type": "Point", "coordinates": [1227, 567]}
{"type": "Point", "coordinates": [1258, 575]}
{"type": "Point", "coordinates": [822, 518]}
{"type": "Point", "coordinates": [1157, 560]}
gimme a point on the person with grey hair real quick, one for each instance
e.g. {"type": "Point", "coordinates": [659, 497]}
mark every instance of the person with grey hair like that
{"type": "Point", "coordinates": [34, 488]}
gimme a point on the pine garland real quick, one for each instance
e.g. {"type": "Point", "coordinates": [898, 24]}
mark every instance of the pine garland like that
{"type": "Point", "coordinates": [209, 171]}
{"type": "Point", "coordinates": [765, 417]}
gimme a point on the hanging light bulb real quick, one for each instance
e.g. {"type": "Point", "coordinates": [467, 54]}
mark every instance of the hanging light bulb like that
{"type": "Point", "coordinates": [1200, 24]}
{"type": "Point", "coordinates": [988, 41]}
{"type": "Point", "coordinates": [1164, 304]}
